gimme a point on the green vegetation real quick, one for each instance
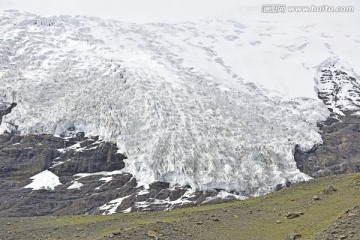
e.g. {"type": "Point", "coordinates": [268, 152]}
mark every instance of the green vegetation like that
{"type": "Point", "coordinates": [257, 218]}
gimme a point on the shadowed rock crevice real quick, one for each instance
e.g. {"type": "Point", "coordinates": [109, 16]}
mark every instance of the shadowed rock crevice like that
{"type": "Point", "coordinates": [5, 109]}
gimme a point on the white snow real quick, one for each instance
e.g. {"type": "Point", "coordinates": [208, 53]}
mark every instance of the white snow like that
{"type": "Point", "coordinates": [127, 210]}
{"type": "Point", "coordinates": [340, 85]}
{"type": "Point", "coordinates": [104, 173]}
{"type": "Point", "coordinates": [224, 195]}
{"type": "Point", "coordinates": [75, 185]}
{"type": "Point", "coordinates": [44, 180]}
{"type": "Point", "coordinates": [106, 179]}
{"type": "Point", "coordinates": [56, 163]}
{"type": "Point", "coordinates": [110, 207]}
{"type": "Point", "coordinates": [178, 99]}
{"type": "Point", "coordinates": [169, 204]}
{"type": "Point", "coordinates": [145, 11]}
{"type": "Point", "coordinates": [143, 192]}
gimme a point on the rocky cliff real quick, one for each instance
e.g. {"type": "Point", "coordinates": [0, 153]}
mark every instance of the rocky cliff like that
{"type": "Point", "coordinates": [339, 89]}
{"type": "Point", "coordinates": [90, 176]}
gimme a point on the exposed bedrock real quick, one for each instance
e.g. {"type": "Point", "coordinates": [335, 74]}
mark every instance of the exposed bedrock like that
{"type": "Point", "coordinates": [339, 89]}
{"type": "Point", "coordinates": [339, 153]}
{"type": "Point", "coordinates": [31, 154]}
{"type": "Point", "coordinates": [89, 171]}
{"type": "Point", "coordinates": [6, 109]}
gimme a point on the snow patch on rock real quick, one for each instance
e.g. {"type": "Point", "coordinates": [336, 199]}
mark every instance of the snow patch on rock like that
{"type": "Point", "coordinates": [110, 207]}
{"type": "Point", "coordinates": [338, 86]}
{"type": "Point", "coordinates": [44, 180]}
{"type": "Point", "coordinates": [75, 185]}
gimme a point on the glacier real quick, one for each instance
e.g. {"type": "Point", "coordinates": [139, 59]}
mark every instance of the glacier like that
{"type": "Point", "coordinates": [217, 104]}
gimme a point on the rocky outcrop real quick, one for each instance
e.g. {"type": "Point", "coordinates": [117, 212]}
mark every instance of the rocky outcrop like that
{"type": "Point", "coordinates": [22, 157]}
{"type": "Point", "coordinates": [31, 154]}
{"type": "Point", "coordinates": [89, 156]}
{"type": "Point", "coordinates": [5, 109]}
{"type": "Point", "coordinates": [339, 89]}
{"type": "Point", "coordinates": [91, 175]}
{"type": "Point", "coordinates": [340, 151]}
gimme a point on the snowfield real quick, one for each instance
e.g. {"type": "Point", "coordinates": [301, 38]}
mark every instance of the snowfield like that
{"type": "Point", "coordinates": [214, 104]}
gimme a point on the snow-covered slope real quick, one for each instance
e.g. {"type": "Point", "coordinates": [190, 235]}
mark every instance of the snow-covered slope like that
{"type": "Point", "coordinates": [338, 86]}
{"type": "Point", "coordinates": [179, 100]}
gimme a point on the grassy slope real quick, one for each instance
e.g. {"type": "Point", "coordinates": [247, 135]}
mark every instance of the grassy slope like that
{"type": "Point", "coordinates": [251, 219]}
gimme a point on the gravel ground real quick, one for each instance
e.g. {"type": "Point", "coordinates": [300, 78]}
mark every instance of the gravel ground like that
{"type": "Point", "coordinates": [346, 227]}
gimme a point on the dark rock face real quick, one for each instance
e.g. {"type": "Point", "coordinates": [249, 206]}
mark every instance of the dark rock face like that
{"type": "Point", "coordinates": [340, 151]}
{"type": "Point", "coordinates": [31, 154]}
{"type": "Point", "coordinates": [87, 160]}
{"type": "Point", "coordinates": [339, 90]}
{"type": "Point", "coordinates": [22, 157]}
{"type": "Point", "coordinates": [6, 109]}
{"type": "Point", "coordinates": [94, 165]}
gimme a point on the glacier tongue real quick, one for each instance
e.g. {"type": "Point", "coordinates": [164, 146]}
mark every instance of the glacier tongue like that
{"type": "Point", "coordinates": [175, 123]}
{"type": "Point", "coordinates": [208, 138]}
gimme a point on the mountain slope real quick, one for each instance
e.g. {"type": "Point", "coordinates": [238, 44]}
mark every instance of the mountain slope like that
{"type": "Point", "coordinates": [178, 100]}
{"type": "Point", "coordinates": [256, 218]}
{"type": "Point", "coordinates": [339, 88]}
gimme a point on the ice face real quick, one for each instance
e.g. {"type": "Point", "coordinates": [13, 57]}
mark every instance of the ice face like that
{"type": "Point", "coordinates": [181, 113]}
